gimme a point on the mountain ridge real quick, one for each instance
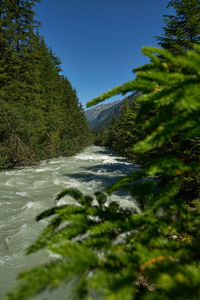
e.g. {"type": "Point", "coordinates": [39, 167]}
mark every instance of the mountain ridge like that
{"type": "Point", "coordinates": [101, 115]}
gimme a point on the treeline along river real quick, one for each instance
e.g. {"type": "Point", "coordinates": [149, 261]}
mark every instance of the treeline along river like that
{"type": "Point", "coordinates": [24, 193]}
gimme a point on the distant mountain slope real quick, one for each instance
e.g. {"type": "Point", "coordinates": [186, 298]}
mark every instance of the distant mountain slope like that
{"type": "Point", "coordinates": [105, 116]}
{"type": "Point", "coordinates": [93, 113]}
{"type": "Point", "coordinates": [102, 115]}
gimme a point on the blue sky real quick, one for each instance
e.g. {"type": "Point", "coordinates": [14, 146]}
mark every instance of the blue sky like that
{"type": "Point", "coordinates": [99, 41]}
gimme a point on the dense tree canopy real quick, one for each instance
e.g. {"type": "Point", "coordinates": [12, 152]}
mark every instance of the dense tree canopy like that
{"type": "Point", "coordinates": [40, 115]}
{"type": "Point", "coordinates": [123, 132]}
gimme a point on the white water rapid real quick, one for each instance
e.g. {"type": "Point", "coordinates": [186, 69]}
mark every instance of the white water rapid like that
{"type": "Point", "coordinates": [27, 192]}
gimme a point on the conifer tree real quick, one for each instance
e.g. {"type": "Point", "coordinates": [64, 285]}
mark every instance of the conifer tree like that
{"type": "Point", "coordinates": [39, 109]}
{"type": "Point", "coordinates": [123, 132]}
{"type": "Point", "coordinates": [18, 88]}
{"type": "Point", "coordinates": [181, 29]}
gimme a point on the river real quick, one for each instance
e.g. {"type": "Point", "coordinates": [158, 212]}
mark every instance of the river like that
{"type": "Point", "coordinates": [26, 192]}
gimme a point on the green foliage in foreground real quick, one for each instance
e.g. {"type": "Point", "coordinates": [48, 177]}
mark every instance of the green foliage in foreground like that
{"type": "Point", "coordinates": [110, 252]}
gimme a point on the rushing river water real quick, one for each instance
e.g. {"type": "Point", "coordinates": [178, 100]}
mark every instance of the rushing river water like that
{"type": "Point", "coordinates": [27, 192]}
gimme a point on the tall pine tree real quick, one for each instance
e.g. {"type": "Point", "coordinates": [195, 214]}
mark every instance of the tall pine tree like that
{"type": "Point", "coordinates": [181, 29]}
{"type": "Point", "coordinates": [39, 109]}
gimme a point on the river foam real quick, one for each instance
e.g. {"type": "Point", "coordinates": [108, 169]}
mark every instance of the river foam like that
{"type": "Point", "coordinates": [27, 192]}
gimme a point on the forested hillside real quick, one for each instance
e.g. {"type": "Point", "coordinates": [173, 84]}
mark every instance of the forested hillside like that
{"type": "Point", "coordinates": [40, 114]}
{"type": "Point", "coordinates": [122, 132]}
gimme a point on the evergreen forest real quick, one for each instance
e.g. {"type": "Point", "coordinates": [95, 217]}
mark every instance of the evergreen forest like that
{"type": "Point", "coordinates": [108, 252]}
{"type": "Point", "coordinates": [40, 114]}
